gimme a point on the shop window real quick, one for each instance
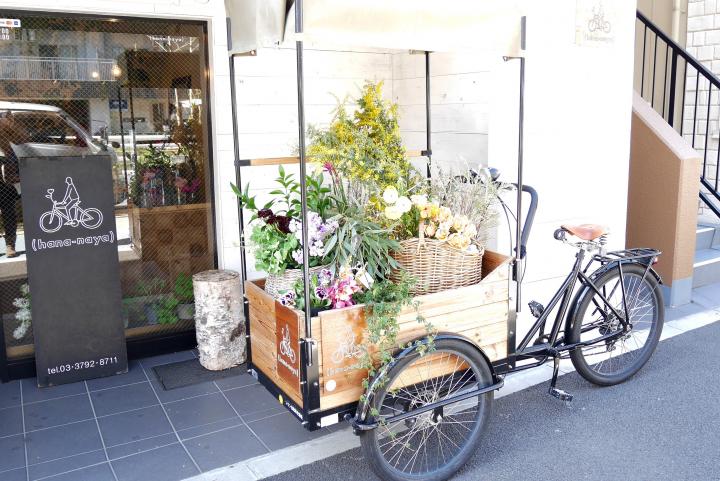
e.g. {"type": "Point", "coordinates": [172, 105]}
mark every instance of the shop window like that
{"type": "Point", "coordinates": [135, 90]}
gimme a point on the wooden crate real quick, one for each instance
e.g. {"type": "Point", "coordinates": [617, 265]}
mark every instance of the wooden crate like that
{"type": "Point", "coordinates": [478, 312]}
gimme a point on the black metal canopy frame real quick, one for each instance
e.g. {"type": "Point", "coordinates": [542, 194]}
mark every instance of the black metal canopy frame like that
{"type": "Point", "coordinates": [309, 353]}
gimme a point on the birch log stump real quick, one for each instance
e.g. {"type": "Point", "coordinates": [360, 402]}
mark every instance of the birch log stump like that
{"type": "Point", "coordinates": [219, 319]}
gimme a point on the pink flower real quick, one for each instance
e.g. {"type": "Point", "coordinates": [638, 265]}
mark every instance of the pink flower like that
{"type": "Point", "coordinates": [341, 291]}
{"type": "Point", "coordinates": [193, 187]}
{"type": "Point", "coordinates": [328, 167]}
{"type": "Point", "coordinates": [180, 182]}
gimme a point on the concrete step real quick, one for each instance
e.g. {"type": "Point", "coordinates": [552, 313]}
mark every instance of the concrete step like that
{"type": "Point", "coordinates": [706, 268]}
{"type": "Point", "coordinates": [705, 237]}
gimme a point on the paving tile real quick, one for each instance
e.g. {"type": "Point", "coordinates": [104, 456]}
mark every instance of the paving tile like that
{"type": "Point", "coordinates": [282, 431]}
{"type": "Point", "coordinates": [183, 392]}
{"type": "Point", "coordinates": [224, 447]}
{"type": "Point", "coordinates": [11, 421]}
{"type": "Point", "coordinates": [100, 472]}
{"type": "Point", "coordinates": [33, 393]}
{"type": "Point", "coordinates": [55, 412]}
{"type": "Point", "coordinates": [14, 475]}
{"type": "Point", "coordinates": [135, 374]}
{"type": "Point", "coordinates": [170, 463]}
{"type": "Point", "coordinates": [122, 450]}
{"type": "Point", "coordinates": [63, 465]}
{"type": "Point", "coordinates": [134, 425]}
{"type": "Point", "coordinates": [150, 362]}
{"type": "Point", "coordinates": [62, 441]}
{"type": "Point", "coordinates": [12, 453]}
{"type": "Point", "coordinates": [200, 410]}
{"type": "Point", "coordinates": [241, 380]}
{"type": "Point", "coordinates": [253, 399]}
{"type": "Point", "coordinates": [9, 394]}
{"type": "Point", "coordinates": [209, 428]}
{"type": "Point", "coordinates": [124, 398]}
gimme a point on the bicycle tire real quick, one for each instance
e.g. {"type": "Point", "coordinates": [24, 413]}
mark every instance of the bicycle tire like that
{"type": "Point", "coordinates": [390, 394]}
{"type": "Point", "coordinates": [46, 220]}
{"type": "Point", "coordinates": [639, 284]}
{"type": "Point", "coordinates": [98, 218]}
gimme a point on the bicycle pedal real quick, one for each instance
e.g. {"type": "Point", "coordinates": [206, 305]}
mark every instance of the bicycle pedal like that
{"type": "Point", "coordinates": [560, 394]}
{"type": "Point", "coordinates": [536, 309]}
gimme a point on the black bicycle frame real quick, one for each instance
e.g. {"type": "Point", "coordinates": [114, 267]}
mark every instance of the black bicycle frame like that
{"type": "Point", "coordinates": [556, 344]}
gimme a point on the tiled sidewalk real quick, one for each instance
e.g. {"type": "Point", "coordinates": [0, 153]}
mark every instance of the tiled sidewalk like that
{"type": "Point", "coordinates": [127, 427]}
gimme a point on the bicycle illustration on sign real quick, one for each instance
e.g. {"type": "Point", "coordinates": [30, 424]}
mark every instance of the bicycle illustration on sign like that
{"type": "Point", "coordinates": [285, 347]}
{"type": "Point", "coordinates": [68, 211]}
{"type": "Point", "coordinates": [598, 22]}
{"type": "Point", "coordinates": [347, 349]}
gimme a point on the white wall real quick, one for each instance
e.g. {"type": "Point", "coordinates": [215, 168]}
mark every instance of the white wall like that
{"type": "Point", "coordinates": [459, 100]}
{"type": "Point", "coordinates": [577, 132]}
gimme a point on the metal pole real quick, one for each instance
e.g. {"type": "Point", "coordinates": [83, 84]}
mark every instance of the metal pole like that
{"type": "Point", "coordinates": [521, 124]}
{"type": "Point", "coordinates": [122, 141]}
{"type": "Point", "coordinates": [238, 179]}
{"type": "Point", "coordinates": [428, 125]}
{"type": "Point", "coordinates": [132, 125]}
{"type": "Point", "coordinates": [301, 148]}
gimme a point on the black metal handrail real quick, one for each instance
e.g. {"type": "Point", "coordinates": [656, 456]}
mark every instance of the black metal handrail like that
{"type": "Point", "coordinates": [663, 94]}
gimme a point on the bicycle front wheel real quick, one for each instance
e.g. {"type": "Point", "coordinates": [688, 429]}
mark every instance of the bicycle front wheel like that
{"type": "Point", "coordinates": [611, 362]}
{"type": "Point", "coordinates": [432, 445]}
{"type": "Point", "coordinates": [91, 218]}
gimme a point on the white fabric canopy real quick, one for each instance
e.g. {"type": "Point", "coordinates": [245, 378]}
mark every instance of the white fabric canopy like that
{"type": "Point", "coordinates": [432, 25]}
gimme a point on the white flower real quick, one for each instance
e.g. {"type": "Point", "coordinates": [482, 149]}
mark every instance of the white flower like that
{"type": "Point", "coordinates": [419, 200]}
{"type": "Point", "coordinates": [392, 212]}
{"type": "Point", "coordinates": [390, 195]}
{"type": "Point", "coordinates": [404, 204]}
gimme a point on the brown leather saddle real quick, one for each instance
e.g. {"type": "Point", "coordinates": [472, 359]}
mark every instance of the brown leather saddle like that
{"type": "Point", "coordinates": [586, 232]}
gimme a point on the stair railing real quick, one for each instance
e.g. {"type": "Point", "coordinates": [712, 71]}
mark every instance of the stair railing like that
{"type": "Point", "coordinates": [677, 85]}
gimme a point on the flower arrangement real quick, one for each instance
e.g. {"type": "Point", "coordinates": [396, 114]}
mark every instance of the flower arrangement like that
{"type": "Point", "coordinates": [276, 237]}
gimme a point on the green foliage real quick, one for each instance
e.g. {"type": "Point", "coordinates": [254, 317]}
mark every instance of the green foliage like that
{"type": "Point", "coordinates": [184, 288]}
{"type": "Point", "coordinates": [273, 249]}
{"type": "Point", "coordinates": [167, 311]}
{"type": "Point", "coordinates": [358, 240]}
{"type": "Point", "coordinates": [366, 147]}
{"type": "Point", "coordinates": [150, 287]}
{"type": "Point", "coordinates": [383, 303]}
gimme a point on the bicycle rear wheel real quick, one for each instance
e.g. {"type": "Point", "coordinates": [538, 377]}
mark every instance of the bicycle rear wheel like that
{"type": "Point", "coordinates": [611, 362]}
{"type": "Point", "coordinates": [433, 445]}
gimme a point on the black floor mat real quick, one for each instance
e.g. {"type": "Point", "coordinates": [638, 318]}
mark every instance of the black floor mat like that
{"type": "Point", "coordinates": [187, 373]}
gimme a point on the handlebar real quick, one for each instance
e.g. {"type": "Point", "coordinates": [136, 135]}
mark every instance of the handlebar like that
{"type": "Point", "coordinates": [529, 219]}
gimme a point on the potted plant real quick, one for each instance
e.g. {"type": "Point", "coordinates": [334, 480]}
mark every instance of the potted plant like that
{"type": "Point", "coordinates": [185, 297]}
{"type": "Point", "coordinates": [277, 230]}
{"type": "Point", "coordinates": [150, 298]}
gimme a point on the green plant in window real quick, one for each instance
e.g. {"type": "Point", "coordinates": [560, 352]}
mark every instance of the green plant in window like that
{"type": "Point", "coordinates": [184, 288]}
{"type": "Point", "coordinates": [167, 311]}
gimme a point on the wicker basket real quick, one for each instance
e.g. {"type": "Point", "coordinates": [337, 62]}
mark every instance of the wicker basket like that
{"type": "Point", "coordinates": [285, 281]}
{"type": "Point", "coordinates": [437, 266]}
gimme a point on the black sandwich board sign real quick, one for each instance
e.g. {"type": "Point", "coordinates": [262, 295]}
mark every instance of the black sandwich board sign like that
{"type": "Point", "coordinates": [73, 267]}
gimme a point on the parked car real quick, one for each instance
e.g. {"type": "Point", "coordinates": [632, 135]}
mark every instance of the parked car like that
{"type": "Point", "coordinates": [40, 130]}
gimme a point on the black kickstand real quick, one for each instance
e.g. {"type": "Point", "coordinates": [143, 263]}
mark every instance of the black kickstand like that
{"type": "Point", "coordinates": [553, 391]}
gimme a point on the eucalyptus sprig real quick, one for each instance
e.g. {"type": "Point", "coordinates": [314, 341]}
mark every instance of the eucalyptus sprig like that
{"type": "Point", "coordinates": [384, 301]}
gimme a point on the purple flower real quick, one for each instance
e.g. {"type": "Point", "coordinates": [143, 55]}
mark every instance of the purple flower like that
{"type": "Point", "coordinates": [265, 213]}
{"type": "Point", "coordinates": [321, 293]}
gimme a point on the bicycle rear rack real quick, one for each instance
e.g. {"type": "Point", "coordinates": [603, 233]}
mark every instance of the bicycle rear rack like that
{"type": "Point", "coordinates": [628, 255]}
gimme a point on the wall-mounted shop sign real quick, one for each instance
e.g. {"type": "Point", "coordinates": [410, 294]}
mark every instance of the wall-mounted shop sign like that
{"type": "Point", "coordinates": [73, 268]}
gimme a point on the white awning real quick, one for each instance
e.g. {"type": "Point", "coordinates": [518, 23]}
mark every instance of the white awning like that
{"type": "Point", "coordinates": [432, 25]}
{"type": "Point", "coordinates": [255, 23]}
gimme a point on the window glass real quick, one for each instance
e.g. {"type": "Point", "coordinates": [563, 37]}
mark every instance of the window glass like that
{"type": "Point", "coordinates": [133, 89]}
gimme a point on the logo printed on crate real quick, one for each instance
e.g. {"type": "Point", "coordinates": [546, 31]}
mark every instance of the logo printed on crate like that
{"type": "Point", "coordinates": [287, 352]}
{"type": "Point", "coordinates": [287, 347]}
{"type": "Point", "coordinates": [348, 348]}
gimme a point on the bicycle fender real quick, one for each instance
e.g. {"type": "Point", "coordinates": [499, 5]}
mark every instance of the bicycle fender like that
{"type": "Point", "coordinates": [363, 408]}
{"type": "Point", "coordinates": [585, 290]}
